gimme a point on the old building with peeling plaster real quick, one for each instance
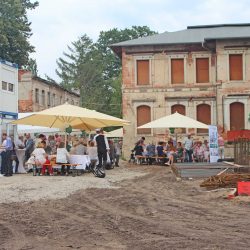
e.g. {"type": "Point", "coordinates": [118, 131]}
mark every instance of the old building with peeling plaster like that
{"type": "Point", "coordinates": [202, 72]}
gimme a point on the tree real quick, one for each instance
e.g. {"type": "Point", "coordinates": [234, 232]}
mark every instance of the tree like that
{"type": "Point", "coordinates": [15, 31]}
{"type": "Point", "coordinates": [31, 66]}
{"type": "Point", "coordinates": [94, 70]}
{"type": "Point", "coordinates": [81, 69]}
{"type": "Point", "coordinates": [112, 64]}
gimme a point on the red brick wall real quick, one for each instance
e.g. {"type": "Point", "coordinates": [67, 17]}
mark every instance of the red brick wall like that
{"type": "Point", "coordinates": [25, 106]}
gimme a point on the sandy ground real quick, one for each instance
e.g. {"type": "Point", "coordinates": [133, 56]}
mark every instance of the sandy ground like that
{"type": "Point", "coordinates": [135, 207]}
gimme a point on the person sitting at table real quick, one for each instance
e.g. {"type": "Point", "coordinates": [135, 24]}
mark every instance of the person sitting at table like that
{"type": "Point", "coordinates": [80, 147]}
{"type": "Point", "coordinates": [40, 156]}
{"type": "Point", "coordinates": [180, 151]}
{"type": "Point", "coordinates": [92, 153]}
{"type": "Point", "coordinates": [62, 157]}
{"type": "Point", "coordinates": [150, 152]}
{"type": "Point", "coordinates": [139, 150]}
{"type": "Point", "coordinates": [160, 149]}
{"type": "Point", "coordinates": [171, 153]}
{"type": "Point", "coordinates": [47, 165]}
{"type": "Point", "coordinates": [199, 152]}
{"type": "Point", "coordinates": [206, 151]}
{"type": "Point", "coordinates": [51, 145]}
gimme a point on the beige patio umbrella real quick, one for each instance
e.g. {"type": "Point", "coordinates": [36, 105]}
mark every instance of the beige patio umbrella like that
{"type": "Point", "coordinates": [175, 120]}
{"type": "Point", "coordinates": [66, 115]}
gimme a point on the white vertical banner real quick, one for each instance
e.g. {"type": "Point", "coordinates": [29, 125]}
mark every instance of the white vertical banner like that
{"type": "Point", "coordinates": [213, 143]}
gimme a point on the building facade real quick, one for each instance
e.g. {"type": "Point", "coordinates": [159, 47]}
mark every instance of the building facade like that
{"type": "Point", "coordinates": [202, 72]}
{"type": "Point", "coordinates": [36, 94]}
{"type": "Point", "coordinates": [8, 96]}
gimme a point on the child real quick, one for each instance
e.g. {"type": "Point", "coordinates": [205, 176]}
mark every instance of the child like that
{"type": "Point", "coordinates": [47, 165]}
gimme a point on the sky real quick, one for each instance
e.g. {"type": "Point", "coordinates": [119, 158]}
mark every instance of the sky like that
{"type": "Point", "coordinates": [57, 23]}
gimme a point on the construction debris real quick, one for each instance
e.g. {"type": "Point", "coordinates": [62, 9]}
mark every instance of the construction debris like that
{"type": "Point", "coordinates": [225, 180]}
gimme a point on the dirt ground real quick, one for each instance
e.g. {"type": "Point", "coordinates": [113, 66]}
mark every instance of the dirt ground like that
{"type": "Point", "coordinates": [150, 211]}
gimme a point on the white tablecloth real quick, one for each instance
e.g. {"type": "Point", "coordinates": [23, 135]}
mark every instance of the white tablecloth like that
{"type": "Point", "coordinates": [80, 159]}
{"type": "Point", "coordinates": [20, 153]}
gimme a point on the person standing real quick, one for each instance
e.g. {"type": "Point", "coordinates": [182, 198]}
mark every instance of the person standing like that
{"type": "Point", "coordinates": [188, 145]}
{"type": "Point", "coordinates": [102, 147]}
{"type": "Point", "coordinates": [29, 146]}
{"type": "Point", "coordinates": [111, 151]}
{"type": "Point", "coordinates": [118, 152]}
{"type": "Point", "coordinates": [20, 142]}
{"type": "Point", "coordinates": [221, 145]}
{"type": "Point", "coordinates": [7, 147]}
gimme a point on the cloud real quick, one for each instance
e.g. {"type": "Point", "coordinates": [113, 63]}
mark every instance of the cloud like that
{"type": "Point", "coordinates": [57, 23]}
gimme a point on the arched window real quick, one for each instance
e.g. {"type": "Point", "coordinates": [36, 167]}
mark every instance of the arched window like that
{"type": "Point", "coordinates": [143, 117]}
{"type": "Point", "coordinates": [237, 116]}
{"type": "Point", "coordinates": [178, 108]}
{"type": "Point", "coordinates": [203, 115]}
{"type": "Point", "coordinates": [181, 109]}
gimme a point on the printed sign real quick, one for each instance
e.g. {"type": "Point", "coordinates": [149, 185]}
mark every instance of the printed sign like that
{"type": "Point", "coordinates": [213, 143]}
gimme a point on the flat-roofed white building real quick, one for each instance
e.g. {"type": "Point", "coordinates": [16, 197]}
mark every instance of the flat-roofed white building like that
{"type": "Point", "coordinates": [8, 96]}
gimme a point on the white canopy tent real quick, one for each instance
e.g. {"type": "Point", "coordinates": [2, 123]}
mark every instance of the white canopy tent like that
{"type": "Point", "coordinates": [115, 133]}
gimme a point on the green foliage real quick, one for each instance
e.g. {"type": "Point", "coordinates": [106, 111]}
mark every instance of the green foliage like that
{"type": "Point", "coordinates": [31, 66]}
{"type": "Point", "coordinates": [112, 64]}
{"type": "Point", "coordinates": [69, 130]}
{"type": "Point", "coordinates": [81, 69]}
{"type": "Point", "coordinates": [171, 130]}
{"type": "Point", "coordinates": [15, 31]}
{"type": "Point", "coordinates": [94, 70]}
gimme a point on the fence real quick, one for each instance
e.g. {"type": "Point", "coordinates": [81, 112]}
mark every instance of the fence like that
{"type": "Point", "coordinates": [242, 151]}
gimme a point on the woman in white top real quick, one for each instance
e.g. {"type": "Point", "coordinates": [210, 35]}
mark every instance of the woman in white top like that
{"type": "Point", "coordinates": [62, 157]}
{"type": "Point", "coordinates": [40, 155]}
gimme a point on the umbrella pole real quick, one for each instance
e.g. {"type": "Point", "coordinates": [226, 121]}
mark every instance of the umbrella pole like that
{"type": "Point", "coordinates": [65, 140]}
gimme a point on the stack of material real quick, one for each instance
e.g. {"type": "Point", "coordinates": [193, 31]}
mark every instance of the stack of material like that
{"type": "Point", "coordinates": [225, 180]}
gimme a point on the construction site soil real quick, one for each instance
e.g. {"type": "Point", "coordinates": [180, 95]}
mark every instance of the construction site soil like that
{"type": "Point", "coordinates": [148, 210]}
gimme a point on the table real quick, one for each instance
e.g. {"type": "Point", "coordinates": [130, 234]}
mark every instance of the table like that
{"type": "Point", "coordinates": [82, 160]}
{"type": "Point", "coordinates": [20, 153]}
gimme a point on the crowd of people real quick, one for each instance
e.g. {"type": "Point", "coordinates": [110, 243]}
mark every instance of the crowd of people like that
{"type": "Point", "coordinates": [171, 151]}
{"type": "Point", "coordinates": [40, 151]}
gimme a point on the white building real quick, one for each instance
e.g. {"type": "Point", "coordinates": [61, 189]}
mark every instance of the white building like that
{"type": "Point", "coordinates": [8, 96]}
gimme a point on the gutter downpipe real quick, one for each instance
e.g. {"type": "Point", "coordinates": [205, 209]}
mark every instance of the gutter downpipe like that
{"type": "Point", "coordinates": [223, 118]}
{"type": "Point", "coordinates": [216, 87]}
